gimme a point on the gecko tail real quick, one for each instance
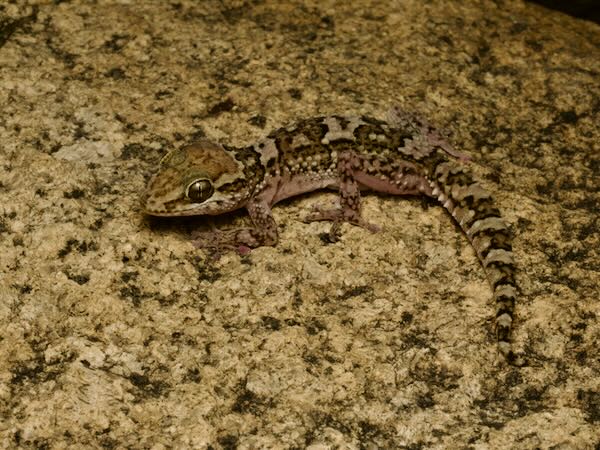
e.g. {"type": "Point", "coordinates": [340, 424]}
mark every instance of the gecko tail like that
{"type": "Point", "coordinates": [474, 209]}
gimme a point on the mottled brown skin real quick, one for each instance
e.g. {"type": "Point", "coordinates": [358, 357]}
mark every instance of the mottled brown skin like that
{"type": "Point", "coordinates": [403, 155]}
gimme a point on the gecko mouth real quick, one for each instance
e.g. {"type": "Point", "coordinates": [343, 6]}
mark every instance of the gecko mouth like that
{"type": "Point", "coordinates": [179, 208]}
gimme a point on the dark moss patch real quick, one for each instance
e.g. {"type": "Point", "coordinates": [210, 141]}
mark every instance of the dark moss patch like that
{"type": "Point", "coordinates": [147, 386]}
{"type": "Point", "coordinates": [258, 121]}
{"type": "Point", "coordinates": [75, 193]}
{"type": "Point", "coordinates": [355, 292]}
{"type": "Point", "coordinates": [10, 26]}
{"type": "Point", "coordinates": [221, 107]}
{"type": "Point", "coordinates": [590, 403]}
{"type": "Point", "coordinates": [81, 247]}
{"type": "Point", "coordinates": [271, 323]}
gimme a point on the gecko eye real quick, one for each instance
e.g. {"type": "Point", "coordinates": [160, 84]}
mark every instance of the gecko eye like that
{"type": "Point", "coordinates": [199, 190]}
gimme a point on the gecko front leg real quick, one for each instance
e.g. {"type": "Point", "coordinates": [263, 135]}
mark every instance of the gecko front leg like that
{"type": "Point", "coordinates": [349, 208]}
{"type": "Point", "coordinates": [264, 231]}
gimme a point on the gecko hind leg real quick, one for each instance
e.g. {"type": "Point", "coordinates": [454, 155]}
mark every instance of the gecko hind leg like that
{"type": "Point", "coordinates": [348, 209]}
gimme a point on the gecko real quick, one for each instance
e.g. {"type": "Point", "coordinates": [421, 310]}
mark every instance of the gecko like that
{"type": "Point", "coordinates": [402, 155]}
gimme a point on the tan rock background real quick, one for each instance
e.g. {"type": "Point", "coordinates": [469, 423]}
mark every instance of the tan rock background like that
{"type": "Point", "coordinates": [115, 332]}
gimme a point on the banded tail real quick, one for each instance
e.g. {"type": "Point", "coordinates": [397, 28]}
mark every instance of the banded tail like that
{"type": "Point", "coordinates": [473, 208]}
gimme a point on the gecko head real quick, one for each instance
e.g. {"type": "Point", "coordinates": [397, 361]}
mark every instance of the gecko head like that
{"type": "Point", "coordinates": [199, 179]}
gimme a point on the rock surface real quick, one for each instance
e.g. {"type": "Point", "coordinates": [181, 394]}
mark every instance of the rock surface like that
{"type": "Point", "coordinates": [117, 333]}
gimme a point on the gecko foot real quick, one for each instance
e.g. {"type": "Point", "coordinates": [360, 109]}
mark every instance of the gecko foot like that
{"type": "Point", "coordinates": [338, 216]}
{"type": "Point", "coordinates": [215, 240]}
{"type": "Point", "coordinates": [238, 239]}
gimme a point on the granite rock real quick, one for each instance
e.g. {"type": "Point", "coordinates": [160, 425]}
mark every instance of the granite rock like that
{"type": "Point", "coordinates": [117, 333]}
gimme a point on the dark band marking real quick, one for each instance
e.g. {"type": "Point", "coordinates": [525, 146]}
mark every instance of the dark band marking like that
{"type": "Point", "coordinates": [496, 240]}
{"type": "Point", "coordinates": [501, 273]}
{"type": "Point", "coordinates": [505, 305]}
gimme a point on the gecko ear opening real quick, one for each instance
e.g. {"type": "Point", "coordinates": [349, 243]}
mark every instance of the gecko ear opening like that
{"type": "Point", "coordinates": [199, 190]}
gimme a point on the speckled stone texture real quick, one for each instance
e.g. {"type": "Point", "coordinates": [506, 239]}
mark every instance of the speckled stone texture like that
{"type": "Point", "coordinates": [115, 332]}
